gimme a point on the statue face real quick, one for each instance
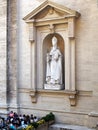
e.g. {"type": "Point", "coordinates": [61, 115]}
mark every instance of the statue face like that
{"type": "Point", "coordinates": [54, 41]}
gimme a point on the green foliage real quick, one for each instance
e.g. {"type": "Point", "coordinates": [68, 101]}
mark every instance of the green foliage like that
{"type": "Point", "coordinates": [34, 124]}
{"type": "Point", "coordinates": [49, 117]}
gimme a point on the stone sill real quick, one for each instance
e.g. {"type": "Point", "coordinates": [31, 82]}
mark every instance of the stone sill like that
{"type": "Point", "coordinates": [71, 94]}
{"type": "Point", "coordinates": [67, 92]}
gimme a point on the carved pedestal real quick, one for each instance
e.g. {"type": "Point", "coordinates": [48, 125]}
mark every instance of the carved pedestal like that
{"type": "Point", "coordinates": [54, 86]}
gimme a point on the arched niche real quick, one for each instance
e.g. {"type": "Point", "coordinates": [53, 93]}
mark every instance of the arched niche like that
{"type": "Point", "coordinates": [47, 44]}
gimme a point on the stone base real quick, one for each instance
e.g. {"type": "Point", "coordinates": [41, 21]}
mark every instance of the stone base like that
{"type": "Point", "coordinates": [53, 86]}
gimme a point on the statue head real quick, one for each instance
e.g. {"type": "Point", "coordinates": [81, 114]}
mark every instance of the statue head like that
{"type": "Point", "coordinates": [54, 41]}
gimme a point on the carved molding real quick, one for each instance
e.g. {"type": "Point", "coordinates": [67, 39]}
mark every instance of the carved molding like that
{"type": "Point", "coordinates": [33, 96]}
{"type": "Point", "coordinates": [32, 32]}
{"type": "Point", "coordinates": [66, 12]}
{"type": "Point", "coordinates": [60, 92]}
{"type": "Point", "coordinates": [71, 27]}
{"type": "Point", "coordinates": [72, 99]}
{"type": "Point", "coordinates": [85, 93]}
{"type": "Point", "coordinates": [52, 29]}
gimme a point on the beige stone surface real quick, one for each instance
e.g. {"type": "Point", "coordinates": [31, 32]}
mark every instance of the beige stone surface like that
{"type": "Point", "coordinates": [20, 60]}
{"type": "Point", "coordinates": [86, 66]}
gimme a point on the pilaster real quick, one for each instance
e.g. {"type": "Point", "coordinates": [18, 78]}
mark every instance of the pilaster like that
{"type": "Point", "coordinates": [3, 57]}
{"type": "Point", "coordinates": [12, 90]}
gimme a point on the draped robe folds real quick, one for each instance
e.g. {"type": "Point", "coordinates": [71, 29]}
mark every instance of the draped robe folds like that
{"type": "Point", "coordinates": [54, 67]}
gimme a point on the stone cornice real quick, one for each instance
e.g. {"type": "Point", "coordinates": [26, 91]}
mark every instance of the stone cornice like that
{"type": "Point", "coordinates": [61, 8]}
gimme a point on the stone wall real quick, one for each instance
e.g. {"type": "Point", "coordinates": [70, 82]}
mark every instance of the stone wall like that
{"type": "Point", "coordinates": [86, 65]}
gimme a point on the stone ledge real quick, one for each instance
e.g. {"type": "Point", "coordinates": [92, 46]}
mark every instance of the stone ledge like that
{"type": "Point", "coordinates": [70, 93]}
{"type": "Point", "coordinates": [85, 93]}
{"type": "Point", "coordinates": [3, 106]}
{"type": "Point", "coordinates": [56, 91]}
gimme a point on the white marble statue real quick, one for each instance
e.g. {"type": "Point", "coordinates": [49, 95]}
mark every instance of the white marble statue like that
{"type": "Point", "coordinates": [54, 64]}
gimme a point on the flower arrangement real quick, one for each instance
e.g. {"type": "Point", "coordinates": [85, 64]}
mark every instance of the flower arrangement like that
{"type": "Point", "coordinates": [40, 122]}
{"type": "Point", "coordinates": [29, 127]}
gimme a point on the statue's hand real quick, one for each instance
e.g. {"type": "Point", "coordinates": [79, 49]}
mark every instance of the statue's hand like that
{"type": "Point", "coordinates": [56, 58]}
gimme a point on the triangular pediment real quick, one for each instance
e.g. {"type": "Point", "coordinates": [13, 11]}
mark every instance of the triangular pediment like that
{"type": "Point", "coordinates": [50, 10]}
